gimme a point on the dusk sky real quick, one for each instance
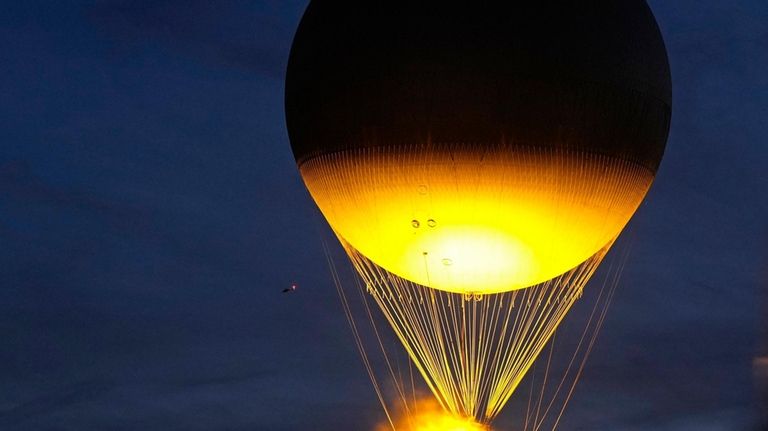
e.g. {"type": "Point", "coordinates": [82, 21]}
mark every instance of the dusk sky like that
{"type": "Point", "coordinates": [151, 213]}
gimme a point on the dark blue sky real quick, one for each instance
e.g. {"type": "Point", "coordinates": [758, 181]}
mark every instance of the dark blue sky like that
{"type": "Point", "coordinates": [150, 213]}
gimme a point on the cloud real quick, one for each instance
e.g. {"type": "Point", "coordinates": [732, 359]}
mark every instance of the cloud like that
{"type": "Point", "coordinates": [53, 400]}
{"type": "Point", "coordinates": [234, 34]}
{"type": "Point", "coordinates": [19, 183]}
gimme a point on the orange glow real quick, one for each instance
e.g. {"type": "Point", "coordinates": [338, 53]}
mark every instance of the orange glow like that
{"type": "Point", "coordinates": [444, 422]}
{"type": "Point", "coordinates": [485, 222]}
{"type": "Point", "coordinates": [428, 416]}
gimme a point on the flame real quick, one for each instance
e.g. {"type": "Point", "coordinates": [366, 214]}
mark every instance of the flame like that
{"type": "Point", "coordinates": [444, 422]}
{"type": "Point", "coordinates": [429, 416]}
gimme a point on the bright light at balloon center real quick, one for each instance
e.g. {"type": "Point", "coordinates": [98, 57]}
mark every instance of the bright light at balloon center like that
{"type": "Point", "coordinates": [456, 256]}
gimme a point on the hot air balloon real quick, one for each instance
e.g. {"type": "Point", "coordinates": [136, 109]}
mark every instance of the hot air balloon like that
{"type": "Point", "coordinates": [477, 161]}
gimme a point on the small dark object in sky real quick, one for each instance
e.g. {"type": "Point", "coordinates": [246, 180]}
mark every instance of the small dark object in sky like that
{"type": "Point", "coordinates": [290, 289]}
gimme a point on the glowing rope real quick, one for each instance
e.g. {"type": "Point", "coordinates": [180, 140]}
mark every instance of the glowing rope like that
{"type": "Point", "coordinates": [472, 352]}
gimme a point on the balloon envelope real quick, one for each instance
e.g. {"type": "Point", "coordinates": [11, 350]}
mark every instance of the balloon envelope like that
{"type": "Point", "coordinates": [483, 148]}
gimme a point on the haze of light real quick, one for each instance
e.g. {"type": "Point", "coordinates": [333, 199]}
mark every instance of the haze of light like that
{"type": "Point", "coordinates": [429, 416]}
{"type": "Point", "coordinates": [446, 423]}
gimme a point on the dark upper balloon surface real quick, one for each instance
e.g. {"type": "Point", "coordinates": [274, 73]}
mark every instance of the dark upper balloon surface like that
{"type": "Point", "coordinates": [589, 76]}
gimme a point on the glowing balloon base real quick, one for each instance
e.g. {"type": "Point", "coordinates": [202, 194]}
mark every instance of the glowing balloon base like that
{"type": "Point", "coordinates": [490, 221]}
